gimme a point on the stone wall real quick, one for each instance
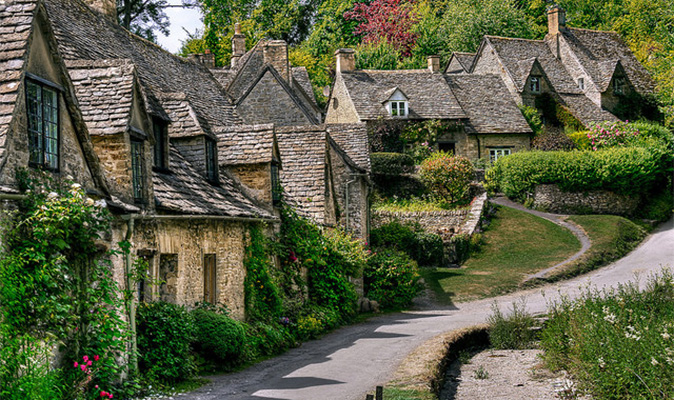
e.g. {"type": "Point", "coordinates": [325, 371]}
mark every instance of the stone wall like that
{"type": "Point", "coordinates": [257, 178]}
{"type": "Point", "coordinates": [552, 199]}
{"type": "Point", "coordinates": [442, 223]}
{"type": "Point", "coordinates": [358, 195]}
{"type": "Point", "coordinates": [340, 108]}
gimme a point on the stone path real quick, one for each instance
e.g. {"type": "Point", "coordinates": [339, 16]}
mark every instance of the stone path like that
{"type": "Point", "coordinates": [558, 219]}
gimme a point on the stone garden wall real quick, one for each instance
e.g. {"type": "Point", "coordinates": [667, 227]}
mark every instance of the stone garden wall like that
{"type": "Point", "coordinates": [550, 198]}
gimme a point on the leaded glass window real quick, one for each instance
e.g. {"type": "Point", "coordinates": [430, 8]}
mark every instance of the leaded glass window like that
{"type": "Point", "coordinates": [211, 161]}
{"type": "Point", "coordinates": [137, 169]}
{"type": "Point", "coordinates": [43, 125]}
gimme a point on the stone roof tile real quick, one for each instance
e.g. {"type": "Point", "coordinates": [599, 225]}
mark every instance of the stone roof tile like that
{"type": "Point", "coordinates": [246, 144]}
{"type": "Point", "coordinates": [353, 139]}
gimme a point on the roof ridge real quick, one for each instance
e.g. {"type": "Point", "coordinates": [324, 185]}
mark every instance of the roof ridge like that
{"type": "Point", "coordinates": [513, 39]}
{"type": "Point", "coordinates": [593, 30]}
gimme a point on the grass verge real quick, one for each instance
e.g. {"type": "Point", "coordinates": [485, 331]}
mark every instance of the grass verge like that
{"type": "Point", "coordinates": [612, 237]}
{"type": "Point", "coordinates": [515, 244]}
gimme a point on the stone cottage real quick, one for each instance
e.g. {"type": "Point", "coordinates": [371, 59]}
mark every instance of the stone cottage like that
{"type": "Point", "coordinates": [586, 71]}
{"type": "Point", "coordinates": [136, 126]}
{"type": "Point", "coordinates": [486, 119]}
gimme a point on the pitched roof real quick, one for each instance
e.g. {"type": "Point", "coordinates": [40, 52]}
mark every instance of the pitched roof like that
{"type": "Point", "coordinates": [519, 55]}
{"type": "Point", "coordinates": [301, 79]}
{"type": "Point", "coordinates": [461, 62]}
{"type": "Point", "coordinates": [587, 112]}
{"type": "Point", "coordinates": [303, 176]}
{"type": "Point", "coordinates": [488, 104]}
{"type": "Point", "coordinates": [104, 91]}
{"type": "Point", "coordinates": [353, 139]}
{"type": "Point", "coordinates": [16, 17]}
{"type": "Point", "coordinates": [246, 144]}
{"type": "Point", "coordinates": [428, 93]}
{"type": "Point", "coordinates": [600, 51]}
{"type": "Point", "coordinates": [83, 34]}
{"type": "Point", "coordinates": [185, 122]}
{"type": "Point", "coordinates": [184, 191]}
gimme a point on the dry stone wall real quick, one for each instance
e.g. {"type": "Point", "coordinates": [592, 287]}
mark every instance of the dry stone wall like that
{"type": "Point", "coordinates": [552, 199]}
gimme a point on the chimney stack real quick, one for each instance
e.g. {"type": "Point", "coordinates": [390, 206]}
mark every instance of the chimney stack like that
{"type": "Point", "coordinates": [346, 60]}
{"type": "Point", "coordinates": [275, 52]}
{"type": "Point", "coordinates": [107, 8]}
{"type": "Point", "coordinates": [434, 64]}
{"type": "Point", "coordinates": [556, 20]}
{"type": "Point", "coordinates": [238, 44]}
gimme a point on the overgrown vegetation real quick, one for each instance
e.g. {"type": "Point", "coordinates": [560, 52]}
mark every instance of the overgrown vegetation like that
{"type": "Point", "coordinates": [513, 330]}
{"type": "Point", "coordinates": [447, 176]}
{"type": "Point", "coordinates": [392, 279]}
{"type": "Point", "coordinates": [617, 343]}
{"type": "Point", "coordinates": [425, 248]}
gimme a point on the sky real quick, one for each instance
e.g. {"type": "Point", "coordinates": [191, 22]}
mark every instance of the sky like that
{"type": "Point", "coordinates": [179, 18]}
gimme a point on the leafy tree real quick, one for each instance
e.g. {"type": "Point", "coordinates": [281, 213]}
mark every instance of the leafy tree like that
{"type": "Point", "coordinates": [143, 17]}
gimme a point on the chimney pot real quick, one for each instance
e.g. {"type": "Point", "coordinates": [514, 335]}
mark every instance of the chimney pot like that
{"type": "Point", "coordinates": [346, 60]}
{"type": "Point", "coordinates": [434, 63]}
{"type": "Point", "coordinates": [556, 20]}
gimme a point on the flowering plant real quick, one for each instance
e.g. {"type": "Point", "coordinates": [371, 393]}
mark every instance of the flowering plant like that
{"type": "Point", "coordinates": [611, 134]}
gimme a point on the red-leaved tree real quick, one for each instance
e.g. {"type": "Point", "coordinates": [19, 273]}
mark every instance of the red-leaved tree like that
{"type": "Point", "coordinates": [390, 20]}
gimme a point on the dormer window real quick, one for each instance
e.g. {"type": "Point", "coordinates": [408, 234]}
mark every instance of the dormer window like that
{"type": "Point", "coordinates": [581, 83]}
{"type": "Point", "coordinates": [619, 85]}
{"type": "Point", "coordinates": [396, 103]}
{"type": "Point", "coordinates": [275, 183]}
{"type": "Point", "coordinates": [398, 108]}
{"type": "Point", "coordinates": [160, 131]}
{"type": "Point", "coordinates": [43, 125]}
{"type": "Point", "coordinates": [211, 161]}
{"type": "Point", "coordinates": [535, 84]}
{"type": "Point", "coordinates": [137, 174]}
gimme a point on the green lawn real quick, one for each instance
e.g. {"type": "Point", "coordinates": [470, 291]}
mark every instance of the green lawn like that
{"type": "Point", "coordinates": [515, 244]}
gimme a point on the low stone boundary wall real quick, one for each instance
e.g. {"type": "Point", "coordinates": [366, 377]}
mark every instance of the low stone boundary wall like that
{"type": "Point", "coordinates": [552, 199]}
{"type": "Point", "coordinates": [442, 223]}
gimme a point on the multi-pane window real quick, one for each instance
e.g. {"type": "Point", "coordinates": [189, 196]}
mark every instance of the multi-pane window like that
{"type": "Point", "coordinates": [160, 144]}
{"type": "Point", "coordinates": [209, 278]}
{"type": "Point", "coordinates": [211, 160]}
{"type": "Point", "coordinates": [43, 125]}
{"type": "Point", "coordinates": [399, 108]}
{"type": "Point", "coordinates": [535, 84]}
{"type": "Point", "coordinates": [496, 153]}
{"type": "Point", "coordinates": [619, 85]}
{"type": "Point", "coordinates": [137, 174]}
{"type": "Point", "coordinates": [581, 83]}
{"type": "Point", "coordinates": [275, 183]}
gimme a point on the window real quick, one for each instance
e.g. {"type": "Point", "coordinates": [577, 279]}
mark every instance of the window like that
{"type": "Point", "coordinates": [275, 183]}
{"type": "Point", "coordinates": [137, 174]}
{"type": "Point", "coordinates": [496, 153]}
{"type": "Point", "coordinates": [209, 278]}
{"type": "Point", "coordinates": [211, 161]}
{"type": "Point", "coordinates": [168, 277]}
{"type": "Point", "coordinates": [398, 108]}
{"type": "Point", "coordinates": [619, 85]}
{"type": "Point", "coordinates": [161, 144]}
{"type": "Point", "coordinates": [43, 125]}
{"type": "Point", "coordinates": [535, 84]}
{"type": "Point", "coordinates": [581, 83]}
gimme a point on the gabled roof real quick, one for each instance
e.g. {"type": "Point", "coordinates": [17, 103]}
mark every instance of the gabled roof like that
{"type": "Point", "coordinates": [104, 90]}
{"type": "Point", "coordinates": [460, 63]}
{"type": "Point", "coordinates": [587, 112]}
{"type": "Point", "coordinates": [303, 84]}
{"type": "Point", "coordinates": [488, 104]}
{"type": "Point", "coordinates": [353, 139]}
{"type": "Point", "coordinates": [184, 191]}
{"type": "Point", "coordinates": [16, 17]}
{"type": "Point", "coordinates": [428, 94]}
{"type": "Point", "coordinates": [599, 51]}
{"type": "Point", "coordinates": [246, 144]}
{"type": "Point", "coordinates": [185, 122]}
{"type": "Point", "coordinates": [519, 55]}
{"type": "Point", "coordinates": [303, 177]}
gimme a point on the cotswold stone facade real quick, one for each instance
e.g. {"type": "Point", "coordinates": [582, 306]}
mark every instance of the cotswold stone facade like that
{"type": "Point", "coordinates": [551, 198]}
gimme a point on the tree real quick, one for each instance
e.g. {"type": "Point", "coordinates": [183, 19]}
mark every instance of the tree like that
{"type": "Point", "coordinates": [143, 17]}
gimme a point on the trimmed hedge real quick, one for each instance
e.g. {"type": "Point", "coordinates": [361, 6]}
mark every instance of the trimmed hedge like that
{"type": "Point", "coordinates": [391, 163]}
{"type": "Point", "coordinates": [218, 337]}
{"type": "Point", "coordinates": [425, 248]}
{"type": "Point", "coordinates": [391, 278]}
{"type": "Point", "coordinates": [625, 170]}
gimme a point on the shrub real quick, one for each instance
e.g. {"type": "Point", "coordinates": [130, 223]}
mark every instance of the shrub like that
{"type": "Point", "coordinates": [447, 176]}
{"type": "Point", "coordinates": [384, 135]}
{"type": "Point", "coordinates": [611, 134]}
{"type": "Point", "coordinates": [513, 331]}
{"type": "Point", "coordinates": [391, 278]}
{"type": "Point", "coordinates": [425, 248]}
{"type": "Point", "coordinates": [391, 163]}
{"type": "Point", "coordinates": [218, 337]}
{"type": "Point", "coordinates": [165, 332]}
{"type": "Point", "coordinates": [264, 339]}
{"type": "Point", "coordinates": [262, 299]}
{"type": "Point", "coordinates": [553, 139]}
{"type": "Point", "coordinates": [533, 119]}
{"type": "Point", "coordinates": [580, 139]}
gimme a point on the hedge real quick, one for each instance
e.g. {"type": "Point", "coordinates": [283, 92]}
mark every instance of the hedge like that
{"type": "Point", "coordinates": [625, 170]}
{"type": "Point", "coordinates": [391, 163]}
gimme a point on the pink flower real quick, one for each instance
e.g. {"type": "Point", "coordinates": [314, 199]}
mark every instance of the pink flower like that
{"type": "Point", "coordinates": [96, 358]}
{"type": "Point", "coordinates": [103, 393]}
{"type": "Point", "coordinates": [96, 386]}
{"type": "Point", "coordinates": [89, 363]}
{"type": "Point", "coordinates": [85, 358]}
{"type": "Point", "coordinates": [83, 367]}
{"type": "Point", "coordinates": [110, 395]}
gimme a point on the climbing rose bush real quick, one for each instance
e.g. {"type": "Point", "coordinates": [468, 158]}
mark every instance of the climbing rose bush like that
{"type": "Point", "coordinates": [611, 134]}
{"type": "Point", "coordinates": [447, 176]}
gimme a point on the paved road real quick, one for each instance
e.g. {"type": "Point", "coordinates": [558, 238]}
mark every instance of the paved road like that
{"type": "Point", "coordinates": [351, 361]}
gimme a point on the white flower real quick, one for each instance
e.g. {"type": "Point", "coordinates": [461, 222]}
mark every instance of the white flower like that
{"type": "Point", "coordinates": [101, 203]}
{"type": "Point", "coordinates": [665, 336]}
{"type": "Point", "coordinates": [602, 364]}
{"type": "Point", "coordinates": [90, 201]}
{"type": "Point", "coordinates": [75, 186]}
{"type": "Point", "coordinates": [52, 195]}
{"type": "Point", "coordinates": [654, 361]}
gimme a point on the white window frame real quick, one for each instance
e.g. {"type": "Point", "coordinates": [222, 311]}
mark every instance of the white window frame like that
{"type": "Point", "coordinates": [400, 107]}
{"type": "Point", "coordinates": [498, 152]}
{"type": "Point", "coordinates": [535, 84]}
{"type": "Point", "coordinates": [581, 83]}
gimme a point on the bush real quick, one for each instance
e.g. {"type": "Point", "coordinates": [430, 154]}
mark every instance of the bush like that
{"type": "Point", "coordinates": [425, 248]}
{"type": "Point", "coordinates": [580, 139]}
{"type": "Point", "coordinates": [391, 163]}
{"type": "Point", "coordinates": [533, 119]}
{"type": "Point", "coordinates": [384, 135]}
{"type": "Point", "coordinates": [447, 177]}
{"type": "Point", "coordinates": [218, 337]}
{"type": "Point", "coordinates": [513, 331]}
{"type": "Point", "coordinates": [263, 340]}
{"type": "Point", "coordinates": [391, 278]}
{"type": "Point", "coordinates": [626, 170]}
{"type": "Point", "coordinates": [165, 332]}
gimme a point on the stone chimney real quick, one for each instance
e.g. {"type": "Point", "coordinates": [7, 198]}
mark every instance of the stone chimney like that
{"type": "Point", "coordinates": [434, 64]}
{"type": "Point", "coordinates": [207, 59]}
{"type": "Point", "coordinates": [275, 52]}
{"type": "Point", "coordinates": [556, 20]}
{"type": "Point", "coordinates": [107, 8]}
{"type": "Point", "coordinates": [238, 44]}
{"type": "Point", "coordinates": [346, 60]}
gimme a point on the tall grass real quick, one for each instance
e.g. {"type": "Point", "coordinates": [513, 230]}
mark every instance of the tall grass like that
{"type": "Point", "coordinates": [617, 343]}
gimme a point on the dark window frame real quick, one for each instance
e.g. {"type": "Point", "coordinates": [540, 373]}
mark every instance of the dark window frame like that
{"type": "Point", "coordinates": [211, 155]}
{"type": "Point", "coordinates": [137, 168]}
{"type": "Point", "coordinates": [619, 84]}
{"type": "Point", "coordinates": [161, 144]}
{"type": "Point", "coordinates": [535, 84]}
{"type": "Point", "coordinates": [276, 189]}
{"type": "Point", "coordinates": [39, 136]}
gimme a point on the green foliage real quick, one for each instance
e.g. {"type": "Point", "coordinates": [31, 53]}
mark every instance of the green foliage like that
{"type": "Point", "coordinates": [463, 246]}
{"type": "Point", "coordinates": [627, 170]}
{"type": "Point", "coordinates": [165, 333]}
{"type": "Point", "coordinates": [616, 342]}
{"type": "Point", "coordinates": [410, 204]}
{"type": "Point", "coordinates": [378, 55]}
{"type": "Point", "coordinates": [447, 176]}
{"type": "Point", "coordinates": [262, 299]}
{"type": "Point", "coordinates": [555, 114]}
{"type": "Point", "coordinates": [420, 138]}
{"type": "Point", "coordinates": [384, 135]}
{"type": "Point", "coordinates": [391, 163]}
{"type": "Point", "coordinates": [391, 278]}
{"type": "Point", "coordinates": [658, 205]}
{"type": "Point", "coordinates": [580, 139]}
{"type": "Point", "coordinates": [513, 331]}
{"type": "Point", "coordinates": [426, 248]}
{"type": "Point", "coordinates": [218, 337]}
{"type": "Point", "coordinates": [263, 340]}
{"type": "Point", "coordinates": [533, 119]}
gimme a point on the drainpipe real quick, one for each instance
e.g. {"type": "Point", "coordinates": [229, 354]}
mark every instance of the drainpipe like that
{"type": "Point", "coordinates": [131, 301]}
